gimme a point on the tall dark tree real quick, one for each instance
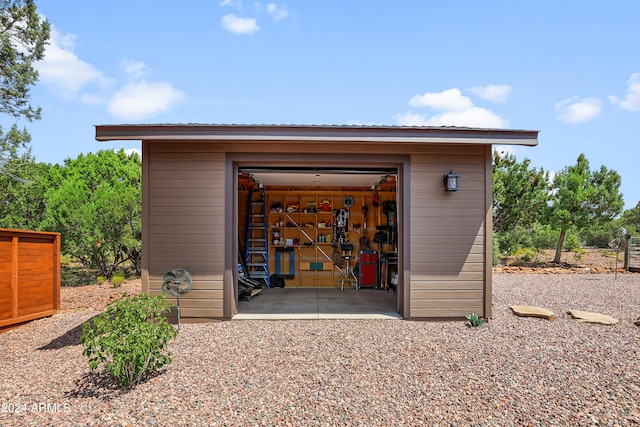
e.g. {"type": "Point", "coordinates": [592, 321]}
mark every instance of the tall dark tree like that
{"type": "Point", "coordinates": [583, 197]}
{"type": "Point", "coordinates": [520, 192]}
{"type": "Point", "coordinates": [23, 37]}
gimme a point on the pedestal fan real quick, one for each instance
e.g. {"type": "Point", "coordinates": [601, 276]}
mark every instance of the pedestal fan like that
{"type": "Point", "coordinates": [176, 283]}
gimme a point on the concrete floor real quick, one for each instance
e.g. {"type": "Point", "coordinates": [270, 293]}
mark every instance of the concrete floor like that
{"type": "Point", "coordinates": [319, 303]}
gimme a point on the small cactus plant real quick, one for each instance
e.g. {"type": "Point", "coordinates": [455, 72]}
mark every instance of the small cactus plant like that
{"type": "Point", "coordinates": [475, 320]}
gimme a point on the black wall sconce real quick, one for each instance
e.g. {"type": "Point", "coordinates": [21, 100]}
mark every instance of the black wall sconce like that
{"type": "Point", "coordinates": [451, 181]}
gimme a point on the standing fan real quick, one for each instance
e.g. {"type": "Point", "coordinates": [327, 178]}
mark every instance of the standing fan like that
{"type": "Point", "coordinates": [176, 283]}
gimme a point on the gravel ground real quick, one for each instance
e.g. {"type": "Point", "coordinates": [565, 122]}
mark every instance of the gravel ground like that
{"type": "Point", "coordinates": [511, 371]}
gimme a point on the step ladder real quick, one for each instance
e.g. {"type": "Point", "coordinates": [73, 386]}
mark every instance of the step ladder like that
{"type": "Point", "coordinates": [257, 249]}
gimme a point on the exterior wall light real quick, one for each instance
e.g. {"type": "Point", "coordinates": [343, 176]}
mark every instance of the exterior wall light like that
{"type": "Point", "coordinates": [451, 181]}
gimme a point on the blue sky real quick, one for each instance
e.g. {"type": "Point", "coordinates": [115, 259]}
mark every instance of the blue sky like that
{"type": "Point", "coordinates": [570, 69]}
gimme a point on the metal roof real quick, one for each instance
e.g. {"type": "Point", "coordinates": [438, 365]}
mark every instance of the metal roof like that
{"type": "Point", "coordinates": [338, 133]}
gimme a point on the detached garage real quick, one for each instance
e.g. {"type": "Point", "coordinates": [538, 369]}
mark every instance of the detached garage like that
{"type": "Point", "coordinates": [341, 208]}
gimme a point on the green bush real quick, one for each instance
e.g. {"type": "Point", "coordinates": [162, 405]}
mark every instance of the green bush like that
{"type": "Point", "coordinates": [65, 260]}
{"type": "Point", "coordinates": [74, 276]}
{"type": "Point", "coordinates": [538, 237]}
{"type": "Point", "coordinates": [544, 237]}
{"type": "Point", "coordinates": [572, 242]}
{"type": "Point", "coordinates": [600, 236]}
{"type": "Point", "coordinates": [129, 337]}
{"type": "Point", "coordinates": [101, 279]}
{"type": "Point", "coordinates": [496, 250]}
{"type": "Point", "coordinates": [525, 254]}
{"type": "Point", "coordinates": [117, 281]}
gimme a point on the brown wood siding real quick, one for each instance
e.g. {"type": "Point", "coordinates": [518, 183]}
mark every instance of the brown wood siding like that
{"type": "Point", "coordinates": [29, 275]}
{"type": "Point", "coordinates": [185, 224]}
{"type": "Point", "coordinates": [447, 237]}
{"type": "Point", "coordinates": [443, 235]}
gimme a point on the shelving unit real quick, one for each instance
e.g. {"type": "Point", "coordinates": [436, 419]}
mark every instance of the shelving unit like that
{"type": "Point", "coordinates": [303, 220]}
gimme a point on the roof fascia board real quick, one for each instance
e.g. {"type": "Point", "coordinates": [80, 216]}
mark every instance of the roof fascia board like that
{"type": "Point", "coordinates": [340, 134]}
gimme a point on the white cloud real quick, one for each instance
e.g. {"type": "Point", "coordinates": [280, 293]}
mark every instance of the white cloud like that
{"type": "Point", "coordinates": [495, 93]}
{"type": "Point", "coordinates": [450, 99]}
{"type": "Point", "coordinates": [574, 110]}
{"type": "Point", "coordinates": [64, 71]}
{"type": "Point", "coordinates": [136, 69]}
{"type": "Point", "coordinates": [143, 99]}
{"type": "Point", "coordinates": [355, 122]}
{"type": "Point", "coordinates": [411, 119]}
{"type": "Point", "coordinates": [72, 78]}
{"type": "Point", "coordinates": [472, 117]}
{"type": "Point", "coordinates": [239, 25]}
{"type": "Point", "coordinates": [235, 3]}
{"type": "Point", "coordinates": [276, 12]}
{"type": "Point", "coordinates": [454, 109]}
{"type": "Point", "coordinates": [631, 101]}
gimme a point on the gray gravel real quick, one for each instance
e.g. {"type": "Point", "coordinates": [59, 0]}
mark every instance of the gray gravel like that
{"type": "Point", "coordinates": [511, 371]}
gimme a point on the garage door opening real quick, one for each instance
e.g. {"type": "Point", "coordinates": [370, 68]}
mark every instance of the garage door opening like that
{"type": "Point", "coordinates": [317, 242]}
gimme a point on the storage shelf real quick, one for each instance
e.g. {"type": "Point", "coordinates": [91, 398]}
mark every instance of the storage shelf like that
{"type": "Point", "coordinates": [285, 226]}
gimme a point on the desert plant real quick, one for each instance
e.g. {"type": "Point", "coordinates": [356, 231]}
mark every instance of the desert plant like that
{"type": "Point", "coordinates": [525, 254]}
{"type": "Point", "coordinates": [65, 260]}
{"type": "Point", "coordinates": [495, 256]}
{"type": "Point", "coordinates": [100, 280]}
{"type": "Point", "coordinates": [475, 320]}
{"type": "Point", "coordinates": [129, 337]}
{"type": "Point", "coordinates": [578, 254]}
{"type": "Point", "coordinates": [117, 281]}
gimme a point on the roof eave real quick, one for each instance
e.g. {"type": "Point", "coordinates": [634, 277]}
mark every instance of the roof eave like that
{"type": "Point", "coordinates": [297, 133]}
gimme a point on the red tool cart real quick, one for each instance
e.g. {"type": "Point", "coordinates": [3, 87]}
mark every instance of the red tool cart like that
{"type": "Point", "coordinates": [368, 268]}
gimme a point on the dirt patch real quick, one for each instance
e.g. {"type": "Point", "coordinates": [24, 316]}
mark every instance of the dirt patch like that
{"type": "Point", "coordinates": [96, 296]}
{"type": "Point", "coordinates": [589, 260]}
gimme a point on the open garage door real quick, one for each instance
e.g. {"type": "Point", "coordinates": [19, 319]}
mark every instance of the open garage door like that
{"type": "Point", "coordinates": [318, 241]}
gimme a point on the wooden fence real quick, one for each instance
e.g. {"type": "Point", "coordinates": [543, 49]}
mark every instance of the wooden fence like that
{"type": "Point", "coordinates": [29, 275]}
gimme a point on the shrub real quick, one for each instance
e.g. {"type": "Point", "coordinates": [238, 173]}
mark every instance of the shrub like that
{"type": "Point", "coordinates": [101, 279]}
{"type": "Point", "coordinates": [536, 236]}
{"type": "Point", "coordinates": [525, 254]}
{"type": "Point", "coordinates": [74, 276]}
{"type": "Point", "coordinates": [129, 337]}
{"type": "Point", "coordinates": [475, 320]}
{"type": "Point", "coordinates": [598, 239]}
{"type": "Point", "coordinates": [117, 281]}
{"type": "Point", "coordinates": [496, 250]}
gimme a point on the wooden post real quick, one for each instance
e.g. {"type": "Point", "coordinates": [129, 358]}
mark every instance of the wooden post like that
{"type": "Point", "coordinates": [56, 272]}
{"type": "Point", "coordinates": [14, 276]}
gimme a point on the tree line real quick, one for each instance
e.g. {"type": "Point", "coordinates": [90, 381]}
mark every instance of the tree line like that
{"type": "Point", "coordinates": [93, 201]}
{"type": "Point", "coordinates": [578, 206]}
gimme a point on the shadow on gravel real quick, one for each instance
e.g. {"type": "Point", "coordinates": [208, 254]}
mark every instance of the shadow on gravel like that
{"type": "Point", "coordinates": [101, 385]}
{"type": "Point", "coordinates": [69, 338]}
